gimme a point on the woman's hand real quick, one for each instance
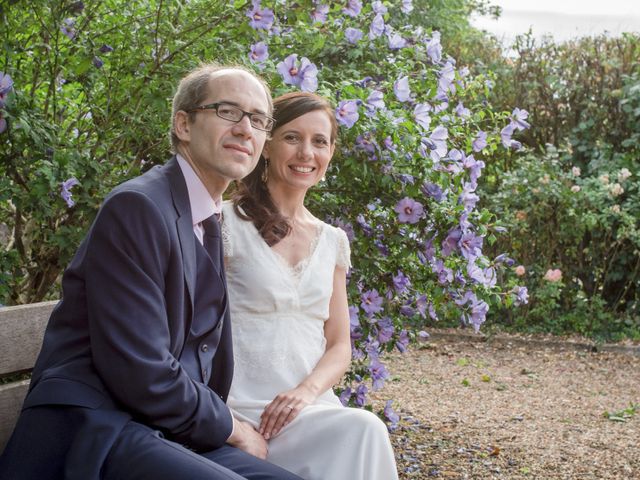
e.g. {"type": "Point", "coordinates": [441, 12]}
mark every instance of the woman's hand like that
{"type": "Point", "coordinates": [283, 409]}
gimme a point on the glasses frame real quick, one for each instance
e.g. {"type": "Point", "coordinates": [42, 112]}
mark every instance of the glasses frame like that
{"type": "Point", "coordinates": [214, 106]}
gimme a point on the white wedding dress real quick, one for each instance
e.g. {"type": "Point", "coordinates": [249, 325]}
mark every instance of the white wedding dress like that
{"type": "Point", "coordinates": [278, 314]}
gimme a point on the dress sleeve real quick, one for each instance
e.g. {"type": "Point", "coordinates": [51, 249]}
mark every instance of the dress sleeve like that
{"type": "Point", "coordinates": [344, 250]}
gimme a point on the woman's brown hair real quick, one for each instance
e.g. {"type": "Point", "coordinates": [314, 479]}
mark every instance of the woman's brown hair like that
{"type": "Point", "coordinates": [252, 194]}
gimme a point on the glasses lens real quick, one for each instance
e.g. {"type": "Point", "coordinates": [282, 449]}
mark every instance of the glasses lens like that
{"type": "Point", "coordinates": [261, 122]}
{"type": "Point", "coordinates": [229, 112]}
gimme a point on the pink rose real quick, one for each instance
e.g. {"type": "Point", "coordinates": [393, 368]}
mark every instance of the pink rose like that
{"type": "Point", "coordinates": [553, 275]}
{"type": "Point", "coordinates": [520, 270]}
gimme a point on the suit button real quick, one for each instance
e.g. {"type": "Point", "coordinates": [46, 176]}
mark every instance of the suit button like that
{"type": "Point", "coordinates": [204, 347]}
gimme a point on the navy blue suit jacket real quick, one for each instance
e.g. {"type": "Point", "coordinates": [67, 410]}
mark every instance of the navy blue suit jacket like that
{"type": "Point", "coordinates": [114, 342]}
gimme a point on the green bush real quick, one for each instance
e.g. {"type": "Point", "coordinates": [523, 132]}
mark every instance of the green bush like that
{"type": "Point", "coordinates": [586, 225]}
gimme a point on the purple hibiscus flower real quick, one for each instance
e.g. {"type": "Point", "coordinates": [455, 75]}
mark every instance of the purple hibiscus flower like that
{"type": "Point", "coordinates": [468, 198]}
{"type": "Point", "coordinates": [375, 101]}
{"type": "Point", "coordinates": [259, 52]}
{"type": "Point", "coordinates": [261, 18]}
{"type": "Point", "coordinates": [371, 302]}
{"type": "Point", "coordinates": [519, 117]}
{"type": "Point", "coordinates": [470, 246]}
{"type": "Point", "coordinates": [401, 89]}
{"type": "Point", "coordinates": [391, 415]}
{"type": "Point", "coordinates": [434, 48]}
{"type": "Point", "coordinates": [361, 395]}
{"type": "Point", "coordinates": [429, 249]}
{"type": "Point", "coordinates": [475, 169]}
{"type": "Point", "coordinates": [353, 8]}
{"type": "Point", "coordinates": [421, 305]}
{"type": "Point", "coordinates": [476, 311]}
{"type": "Point", "coordinates": [433, 190]}
{"type": "Point", "coordinates": [377, 27]}
{"type": "Point", "coordinates": [319, 14]}
{"type": "Point", "coordinates": [445, 274]}
{"type": "Point", "coordinates": [445, 81]}
{"type": "Point", "coordinates": [302, 74]}
{"type": "Point", "coordinates": [396, 41]}
{"type": "Point", "coordinates": [462, 111]}
{"type": "Point", "coordinates": [401, 282]}
{"type": "Point", "coordinates": [522, 295]}
{"type": "Point", "coordinates": [97, 62]}
{"type": "Point", "coordinates": [407, 6]}
{"type": "Point", "coordinates": [354, 321]}
{"type": "Point", "coordinates": [421, 115]}
{"type": "Point", "coordinates": [505, 136]}
{"type": "Point", "coordinates": [345, 396]}
{"type": "Point", "coordinates": [378, 7]}
{"type": "Point", "coordinates": [347, 113]}
{"type": "Point", "coordinates": [408, 210]}
{"type": "Point", "coordinates": [6, 84]}
{"type": "Point", "coordinates": [65, 190]}
{"type": "Point", "coordinates": [480, 141]}
{"type": "Point", "coordinates": [68, 28]}
{"type": "Point", "coordinates": [366, 228]}
{"type": "Point", "coordinates": [476, 273]}
{"type": "Point", "coordinates": [353, 35]}
{"type": "Point", "coordinates": [385, 330]}
{"type": "Point", "coordinates": [450, 244]}
{"type": "Point", "coordinates": [403, 341]}
{"type": "Point", "coordinates": [437, 143]}
{"type": "Point", "coordinates": [106, 48]}
{"type": "Point", "coordinates": [378, 373]}
{"type": "Point", "coordinates": [504, 258]}
{"type": "Point", "coordinates": [366, 142]}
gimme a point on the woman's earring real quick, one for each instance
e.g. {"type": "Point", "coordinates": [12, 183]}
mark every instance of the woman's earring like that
{"type": "Point", "coordinates": [265, 171]}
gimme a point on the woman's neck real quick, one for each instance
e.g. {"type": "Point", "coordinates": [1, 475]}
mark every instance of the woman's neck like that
{"type": "Point", "coordinates": [290, 202]}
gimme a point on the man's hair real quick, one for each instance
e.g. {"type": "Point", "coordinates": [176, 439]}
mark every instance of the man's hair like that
{"type": "Point", "coordinates": [194, 88]}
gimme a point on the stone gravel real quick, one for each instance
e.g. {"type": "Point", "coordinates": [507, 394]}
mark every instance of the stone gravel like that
{"type": "Point", "coordinates": [514, 408]}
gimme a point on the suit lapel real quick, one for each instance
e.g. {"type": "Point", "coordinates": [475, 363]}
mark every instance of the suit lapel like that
{"type": "Point", "coordinates": [184, 224]}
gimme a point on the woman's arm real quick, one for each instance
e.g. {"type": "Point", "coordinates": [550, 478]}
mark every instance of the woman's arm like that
{"type": "Point", "coordinates": [329, 370]}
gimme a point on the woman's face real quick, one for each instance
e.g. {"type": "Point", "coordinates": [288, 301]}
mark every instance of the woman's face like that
{"type": "Point", "coordinates": [300, 151]}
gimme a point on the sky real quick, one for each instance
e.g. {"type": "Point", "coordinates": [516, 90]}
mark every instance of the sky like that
{"type": "Point", "coordinates": [562, 19]}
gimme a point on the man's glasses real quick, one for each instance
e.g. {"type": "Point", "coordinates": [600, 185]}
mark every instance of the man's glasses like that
{"type": "Point", "coordinates": [259, 121]}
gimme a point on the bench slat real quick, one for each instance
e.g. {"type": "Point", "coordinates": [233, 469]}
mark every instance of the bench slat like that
{"type": "Point", "coordinates": [22, 330]}
{"type": "Point", "coordinates": [11, 398]}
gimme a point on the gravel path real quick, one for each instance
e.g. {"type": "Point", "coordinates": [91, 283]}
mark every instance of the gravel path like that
{"type": "Point", "coordinates": [513, 409]}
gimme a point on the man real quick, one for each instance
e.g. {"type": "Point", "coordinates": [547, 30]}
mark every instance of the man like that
{"type": "Point", "coordinates": [137, 360]}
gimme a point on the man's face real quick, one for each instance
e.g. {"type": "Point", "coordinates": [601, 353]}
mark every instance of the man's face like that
{"type": "Point", "coordinates": [219, 150]}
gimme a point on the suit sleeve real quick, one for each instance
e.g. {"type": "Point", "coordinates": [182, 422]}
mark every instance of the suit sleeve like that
{"type": "Point", "coordinates": [127, 262]}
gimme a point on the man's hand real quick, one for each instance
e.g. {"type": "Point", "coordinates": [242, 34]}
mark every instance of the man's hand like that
{"type": "Point", "coordinates": [247, 439]}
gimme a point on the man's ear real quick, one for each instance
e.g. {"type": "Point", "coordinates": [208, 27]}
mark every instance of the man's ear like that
{"type": "Point", "coordinates": [182, 126]}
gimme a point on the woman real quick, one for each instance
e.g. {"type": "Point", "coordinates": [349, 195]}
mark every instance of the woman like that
{"type": "Point", "coordinates": [286, 274]}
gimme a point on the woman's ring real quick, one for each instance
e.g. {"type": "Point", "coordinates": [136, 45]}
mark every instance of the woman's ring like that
{"type": "Point", "coordinates": [290, 407]}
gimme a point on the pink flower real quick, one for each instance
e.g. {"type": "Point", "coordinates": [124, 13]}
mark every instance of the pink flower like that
{"type": "Point", "coordinates": [553, 275]}
{"type": "Point", "coordinates": [520, 270]}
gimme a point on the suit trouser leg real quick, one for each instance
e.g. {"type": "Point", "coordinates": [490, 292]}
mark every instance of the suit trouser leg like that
{"type": "Point", "coordinates": [141, 453]}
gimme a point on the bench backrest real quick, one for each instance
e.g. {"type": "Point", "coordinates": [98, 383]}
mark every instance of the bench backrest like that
{"type": "Point", "coordinates": [21, 331]}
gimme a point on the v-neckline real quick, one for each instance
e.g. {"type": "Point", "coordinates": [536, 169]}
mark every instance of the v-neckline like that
{"type": "Point", "coordinates": [282, 262]}
{"type": "Point", "coordinates": [298, 269]}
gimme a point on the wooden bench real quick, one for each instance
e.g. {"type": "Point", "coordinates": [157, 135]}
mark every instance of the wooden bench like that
{"type": "Point", "coordinates": [21, 331]}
